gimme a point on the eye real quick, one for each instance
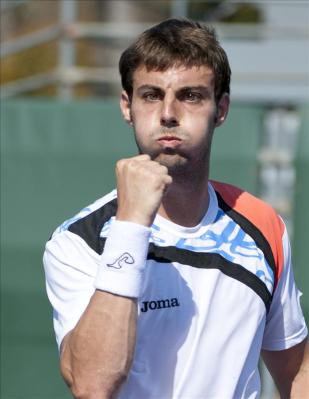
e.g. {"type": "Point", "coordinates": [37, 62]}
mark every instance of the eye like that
{"type": "Point", "coordinates": [151, 96]}
{"type": "Point", "coordinates": [192, 96]}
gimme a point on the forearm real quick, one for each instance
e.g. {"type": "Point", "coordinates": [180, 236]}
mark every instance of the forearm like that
{"type": "Point", "coordinates": [96, 356]}
{"type": "Point", "coordinates": [300, 384]}
{"type": "Point", "coordinates": [289, 369]}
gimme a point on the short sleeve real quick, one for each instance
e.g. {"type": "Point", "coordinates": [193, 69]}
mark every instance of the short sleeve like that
{"type": "Point", "coordinates": [285, 323]}
{"type": "Point", "coordinates": [70, 269]}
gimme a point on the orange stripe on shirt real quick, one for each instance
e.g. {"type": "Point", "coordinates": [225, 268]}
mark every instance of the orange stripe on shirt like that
{"type": "Point", "coordinates": [258, 213]}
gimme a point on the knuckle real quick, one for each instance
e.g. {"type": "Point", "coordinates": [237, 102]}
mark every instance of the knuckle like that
{"type": "Point", "coordinates": [120, 163]}
{"type": "Point", "coordinates": [164, 169]}
{"type": "Point", "coordinates": [132, 164]}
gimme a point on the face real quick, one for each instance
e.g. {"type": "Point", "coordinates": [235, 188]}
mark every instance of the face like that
{"type": "Point", "coordinates": [174, 114]}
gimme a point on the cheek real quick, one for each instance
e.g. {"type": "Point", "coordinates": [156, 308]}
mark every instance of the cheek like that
{"type": "Point", "coordinates": [141, 129]}
{"type": "Point", "coordinates": [200, 126]}
{"type": "Point", "coordinates": [143, 120]}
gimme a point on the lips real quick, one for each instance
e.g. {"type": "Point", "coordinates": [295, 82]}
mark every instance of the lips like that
{"type": "Point", "coordinates": [169, 140]}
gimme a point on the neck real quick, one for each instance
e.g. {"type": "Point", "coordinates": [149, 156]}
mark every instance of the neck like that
{"type": "Point", "coordinates": [185, 203]}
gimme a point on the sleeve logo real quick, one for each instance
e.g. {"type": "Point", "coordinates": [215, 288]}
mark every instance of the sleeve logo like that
{"type": "Point", "coordinates": [124, 259]}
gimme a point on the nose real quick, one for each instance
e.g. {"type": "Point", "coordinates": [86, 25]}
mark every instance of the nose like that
{"type": "Point", "coordinates": [169, 112]}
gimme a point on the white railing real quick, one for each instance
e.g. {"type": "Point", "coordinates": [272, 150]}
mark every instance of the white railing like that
{"type": "Point", "coordinates": [68, 30]}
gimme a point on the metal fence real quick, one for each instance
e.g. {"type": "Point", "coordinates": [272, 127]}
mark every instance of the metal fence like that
{"type": "Point", "coordinates": [68, 30]}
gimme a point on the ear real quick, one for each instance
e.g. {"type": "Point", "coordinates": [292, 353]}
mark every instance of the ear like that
{"type": "Point", "coordinates": [125, 106]}
{"type": "Point", "coordinates": [222, 109]}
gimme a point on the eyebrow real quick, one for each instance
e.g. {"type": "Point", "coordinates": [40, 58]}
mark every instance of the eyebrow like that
{"type": "Point", "coordinates": [204, 89]}
{"type": "Point", "coordinates": [144, 88]}
{"type": "Point", "coordinates": [201, 88]}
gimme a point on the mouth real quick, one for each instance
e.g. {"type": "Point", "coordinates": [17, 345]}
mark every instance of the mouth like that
{"type": "Point", "coordinates": [169, 141]}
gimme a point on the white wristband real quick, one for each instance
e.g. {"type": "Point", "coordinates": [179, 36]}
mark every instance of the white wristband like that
{"type": "Point", "coordinates": [123, 260]}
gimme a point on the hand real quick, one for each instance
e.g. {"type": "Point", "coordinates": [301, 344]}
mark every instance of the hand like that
{"type": "Point", "coordinates": [141, 184]}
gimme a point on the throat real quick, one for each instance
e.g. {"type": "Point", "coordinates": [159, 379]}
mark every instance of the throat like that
{"type": "Point", "coordinates": [185, 207]}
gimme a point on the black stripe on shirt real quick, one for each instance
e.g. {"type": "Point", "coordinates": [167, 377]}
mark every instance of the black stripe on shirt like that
{"type": "Point", "coordinates": [252, 231]}
{"type": "Point", "coordinates": [90, 226]}
{"type": "Point", "coordinates": [207, 260]}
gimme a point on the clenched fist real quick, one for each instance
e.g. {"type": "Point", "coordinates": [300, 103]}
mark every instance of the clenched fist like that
{"type": "Point", "coordinates": [141, 183]}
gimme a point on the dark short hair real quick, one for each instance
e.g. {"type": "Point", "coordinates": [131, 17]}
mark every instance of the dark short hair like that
{"type": "Point", "coordinates": [176, 42]}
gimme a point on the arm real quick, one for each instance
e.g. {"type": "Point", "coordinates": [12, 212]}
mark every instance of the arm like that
{"type": "Point", "coordinates": [97, 354]}
{"type": "Point", "coordinates": [285, 343]}
{"type": "Point", "coordinates": [94, 359]}
{"type": "Point", "coordinates": [290, 370]}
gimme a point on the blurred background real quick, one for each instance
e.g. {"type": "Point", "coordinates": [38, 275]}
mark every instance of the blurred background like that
{"type": "Point", "coordinates": [61, 134]}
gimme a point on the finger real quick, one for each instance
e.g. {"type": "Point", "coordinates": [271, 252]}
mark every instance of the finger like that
{"type": "Point", "coordinates": [142, 157]}
{"type": "Point", "coordinates": [158, 168]}
{"type": "Point", "coordinates": [167, 179]}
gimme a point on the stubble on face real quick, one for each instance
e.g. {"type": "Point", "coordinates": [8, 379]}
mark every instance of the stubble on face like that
{"type": "Point", "coordinates": [169, 157]}
{"type": "Point", "coordinates": [193, 123]}
{"type": "Point", "coordinates": [182, 164]}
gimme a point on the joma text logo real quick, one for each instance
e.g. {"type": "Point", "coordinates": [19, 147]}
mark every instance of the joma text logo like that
{"type": "Point", "coordinates": [160, 304]}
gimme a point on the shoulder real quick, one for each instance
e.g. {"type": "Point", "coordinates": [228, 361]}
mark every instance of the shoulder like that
{"type": "Point", "coordinates": [256, 216]}
{"type": "Point", "coordinates": [88, 223]}
{"type": "Point", "coordinates": [258, 212]}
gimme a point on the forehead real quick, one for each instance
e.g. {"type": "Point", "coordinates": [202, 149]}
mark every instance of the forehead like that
{"type": "Point", "coordinates": [174, 77]}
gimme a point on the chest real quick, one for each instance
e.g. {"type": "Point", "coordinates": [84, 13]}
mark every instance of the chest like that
{"type": "Point", "coordinates": [179, 300]}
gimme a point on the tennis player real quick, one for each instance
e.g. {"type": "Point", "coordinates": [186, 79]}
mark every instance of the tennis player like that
{"type": "Point", "coordinates": [173, 285]}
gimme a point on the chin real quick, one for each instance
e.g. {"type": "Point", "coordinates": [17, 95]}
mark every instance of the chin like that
{"type": "Point", "coordinates": [175, 163]}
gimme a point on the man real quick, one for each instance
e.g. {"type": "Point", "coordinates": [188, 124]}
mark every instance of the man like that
{"type": "Point", "coordinates": [172, 286]}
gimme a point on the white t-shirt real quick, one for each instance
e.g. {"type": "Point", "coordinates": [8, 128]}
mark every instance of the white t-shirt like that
{"type": "Point", "coordinates": [208, 304]}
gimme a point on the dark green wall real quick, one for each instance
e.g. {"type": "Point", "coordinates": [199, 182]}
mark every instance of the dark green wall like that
{"type": "Point", "coordinates": [56, 158]}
